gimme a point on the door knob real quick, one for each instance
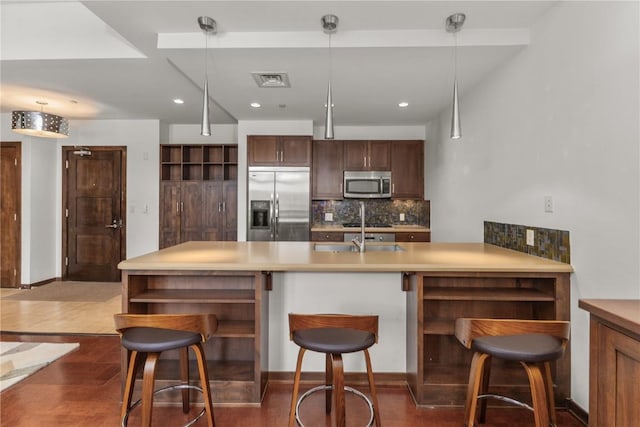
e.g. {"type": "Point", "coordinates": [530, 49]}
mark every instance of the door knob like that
{"type": "Point", "coordinates": [114, 225]}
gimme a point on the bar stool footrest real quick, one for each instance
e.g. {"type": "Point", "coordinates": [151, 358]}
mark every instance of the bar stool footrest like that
{"type": "Point", "coordinates": [125, 419]}
{"type": "Point", "coordinates": [326, 387]}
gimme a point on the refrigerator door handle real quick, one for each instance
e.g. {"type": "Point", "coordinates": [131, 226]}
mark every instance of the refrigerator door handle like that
{"type": "Point", "coordinates": [271, 216]}
{"type": "Point", "coordinates": [277, 215]}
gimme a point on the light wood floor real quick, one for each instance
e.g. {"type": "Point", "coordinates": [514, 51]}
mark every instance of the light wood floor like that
{"type": "Point", "coordinates": [62, 317]}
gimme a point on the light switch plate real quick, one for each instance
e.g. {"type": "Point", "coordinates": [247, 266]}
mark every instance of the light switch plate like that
{"type": "Point", "coordinates": [328, 216]}
{"type": "Point", "coordinates": [401, 217]}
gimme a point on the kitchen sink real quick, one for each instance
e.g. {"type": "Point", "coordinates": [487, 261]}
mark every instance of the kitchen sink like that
{"type": "Point", "coordinates": [350, 247]}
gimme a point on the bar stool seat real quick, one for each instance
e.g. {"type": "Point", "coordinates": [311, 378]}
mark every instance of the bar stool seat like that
{"type": "Point", "coordinates": [146, 336]}
{"type": "Point", "coordinates": [333, 335]}
{"type": "Point", "coordinates": [533, 343]}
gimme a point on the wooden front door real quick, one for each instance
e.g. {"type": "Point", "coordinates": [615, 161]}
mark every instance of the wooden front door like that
{"type": "Point", "coordinates": [10, 214]}
{"type": "Point", "coordinates": [93, 213]}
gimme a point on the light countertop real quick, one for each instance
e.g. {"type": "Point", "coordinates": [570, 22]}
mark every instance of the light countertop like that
{"type": "Point", "coordinates": [623, 313]}
{"type": "Point", "coordinates": [300, 256]}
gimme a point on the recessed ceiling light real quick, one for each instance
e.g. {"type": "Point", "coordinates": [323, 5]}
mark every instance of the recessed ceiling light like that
{"type": "Point", "coordinates": [178, 101]}
{"type": "Point", "coordinates": [255, 105]}
{"type": "Point", "coordinates": [403, 104]}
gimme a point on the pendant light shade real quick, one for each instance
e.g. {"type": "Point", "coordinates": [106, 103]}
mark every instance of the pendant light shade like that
{"type": "Point", "coordinates": [39, 123]}
{"type": "Point", "coordinates": [208, 26]}
{"type": "Point", "coordinates": [456, 129]}
{"type": "Point", "coordinates": [453, 25]}
{"type": "Point", "coordinates": [329, 26]}
{"type": "Point", "coordinates": [328, 120]}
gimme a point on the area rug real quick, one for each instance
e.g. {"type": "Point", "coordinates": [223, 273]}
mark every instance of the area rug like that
{"type": "Point", "coordinates": [18, 360]}
{"type": "Point", "coordinates": [69, 291]}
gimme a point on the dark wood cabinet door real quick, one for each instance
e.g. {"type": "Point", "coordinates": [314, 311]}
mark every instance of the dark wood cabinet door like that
{"type": "Point", "coordinates": [379, 156]}
{"type": "Point", "coordinates": [169, 214]}
{"type": "Point", "coordinates": [212, 198]}
{"type": "Point", "coordinates": [263, 150]}
{"type": "Point", "coordinates": [10, 214]}
{"type": "Point", "coordinates": [295, 150]}
{"type": "Point", "coordinates": [407, 169]}
{"type": "Point", "coordinates": [413, 237]}
{"type": "Point", "coordinates": [229, 211]}
{"type": "Point", "coordinates": [191, 210]}
{"type": "Point", "coordinates": [327, 236]}
{"type": "Point", "coordinates": [327, 171]}
{"type": "Point", "coordinates": [355, 155]}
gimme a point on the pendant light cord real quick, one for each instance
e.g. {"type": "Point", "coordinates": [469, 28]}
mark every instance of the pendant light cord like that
{"type": "Point", "coordinates": [206, 49]}
{"type": "Point", "coordinates": [455, 56]}
{"type": "Point", "coordinates": [330, 58]}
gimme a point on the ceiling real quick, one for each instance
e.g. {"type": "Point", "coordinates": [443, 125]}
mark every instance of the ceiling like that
{"type": "Point", "coordinates": [129, 60]}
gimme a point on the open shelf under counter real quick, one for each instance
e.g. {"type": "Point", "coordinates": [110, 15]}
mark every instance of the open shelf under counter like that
{"type": "Point", "coordinates": [195, 296]}
{"type": "Point", "coordinates": [235, 329]}
{"type": "Point", "coordinates": [487, 294]}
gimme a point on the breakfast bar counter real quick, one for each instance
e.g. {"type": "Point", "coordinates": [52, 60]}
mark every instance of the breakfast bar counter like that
{"type": "Point", "coordinates": [417, 289]}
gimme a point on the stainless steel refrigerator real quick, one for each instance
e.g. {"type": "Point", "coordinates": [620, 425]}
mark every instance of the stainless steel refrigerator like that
{"type": "Point", "coordinates": [278, 207]}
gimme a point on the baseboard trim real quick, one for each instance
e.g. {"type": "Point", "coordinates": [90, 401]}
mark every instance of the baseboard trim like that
{"type": "Point", "coordinates": [383, 379]}
{"type": "Point", "coordinates": [40, 283]}
{"type": "Point", "coordinates": [578, 412]}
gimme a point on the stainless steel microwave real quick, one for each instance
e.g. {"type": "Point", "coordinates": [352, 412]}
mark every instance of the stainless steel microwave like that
{"type": "Point", "coordinates": [367, 184]}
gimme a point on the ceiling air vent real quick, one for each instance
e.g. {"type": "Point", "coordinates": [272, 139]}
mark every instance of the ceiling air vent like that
{"type": "Point", "coordinates": [265, 79]}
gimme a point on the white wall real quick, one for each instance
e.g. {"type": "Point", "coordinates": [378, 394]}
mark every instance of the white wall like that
{"type": "Point", "coordinates": [560, 120]}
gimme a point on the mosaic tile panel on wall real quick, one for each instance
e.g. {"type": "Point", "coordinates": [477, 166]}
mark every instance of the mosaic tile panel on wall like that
{"type": "Point", "coordinates": [548, 243]}
{"type": "Point", "coordinates": [386, 211]}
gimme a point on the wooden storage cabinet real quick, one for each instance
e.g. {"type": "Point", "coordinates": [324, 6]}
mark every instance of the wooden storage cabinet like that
{"type": "Point", "coordinates": [438, 365]}
{"type": "Point", "coordinates": [237, 355]}
{"type": "Point", "coordinates": [413, 237]}
{"type": "Point", "coordinates": [367, 155]}
{"type": "Point", "coordinates": [327, 171]}
{"type": "Point", "coordinates": [198, 193]}
{"type": "Point", "coordinates": [327, 236]}
{"type": "Point", "coordinates": [407, 169]}
{"type": "Point", "coordinates": [271, 150]}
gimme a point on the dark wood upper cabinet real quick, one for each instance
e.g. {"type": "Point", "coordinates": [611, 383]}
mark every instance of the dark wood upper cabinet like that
{"type": "Point", "coordinates": [407, 169]}
{"type": "Point", "coordinates": [326, 179]}
{"type": "Point", "coordinates": [367, 155]}
{"type": "Point", "coordinates": [271, 150]}
{"type": "Point", "coordinates": [198, 193]}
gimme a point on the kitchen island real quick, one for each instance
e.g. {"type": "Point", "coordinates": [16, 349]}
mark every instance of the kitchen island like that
{"type": "Point", "coordinates": [418, 292]}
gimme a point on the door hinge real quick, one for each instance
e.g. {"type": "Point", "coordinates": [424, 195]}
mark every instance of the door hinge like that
{"type": "Point", "coordinates": [66, 261]}
{"type": "Point", "coordinates": [66, 164]}
{"type": "Point", "coordinates": [15, 272]}
{"type": "Point", "coordinates": [15, 216]}
{"type": "Point", "coordinates": [66, 213]}
{"type": "Point", "coordinates": [15, 162]}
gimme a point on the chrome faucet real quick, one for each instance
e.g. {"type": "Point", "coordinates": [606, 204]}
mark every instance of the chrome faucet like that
{"type": "Point", "coordinates": [360, 244]}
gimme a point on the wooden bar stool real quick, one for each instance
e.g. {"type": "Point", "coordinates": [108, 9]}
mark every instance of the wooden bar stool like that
{"type": "Point", "coordinates": [533, 343]}
{"type": "Point", "coordinates": [146, 336]}
{"type": "Point", "coordinates": [333, 335]}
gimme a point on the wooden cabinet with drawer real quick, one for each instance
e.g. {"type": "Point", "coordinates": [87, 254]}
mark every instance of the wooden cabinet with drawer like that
{"type": "Point", "coordinates": [327, 236]}
{"type": "Point", "coordinates": [405, 236]}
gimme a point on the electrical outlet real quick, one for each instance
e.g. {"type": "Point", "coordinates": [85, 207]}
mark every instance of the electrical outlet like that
{"type": "Point", "coordinates": [530, 237]}
{"type": "Point", "coordinates": [328, 216]}
{"type": "Point", "coordinates": [548, 204]}
{"type": "Point", "coordinates": [401, 217]}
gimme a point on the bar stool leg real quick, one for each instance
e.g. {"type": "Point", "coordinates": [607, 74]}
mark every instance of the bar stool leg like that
{"type": "Point", "coordinates": [538, 394]}
{"type": "Point", "coordinates": [184, 377]}
{"type": "Point", "coordinates": [338, 389]}
{"type": "Point", "coordinates": [550, 395]}
{"type": "Point", "coordinates": [204, 382]}
{"type": "Point", "coordinates": [296, 386]}
{"type": "Point", "coordinates": [328, 380]}
{"type": "Point", "coordinates": [131, 378]}
{"type": "Point", "coordinates": [475, 380]}
{"type": "Point", "coordinates": [148, 379]}
{"type": "Point", "coordinates": [372, 388]}
{"type": "Point", "coordinates": [484, 389]}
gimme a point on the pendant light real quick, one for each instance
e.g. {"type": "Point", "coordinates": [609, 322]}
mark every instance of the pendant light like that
{"type": "Point", "coordinates": [208, 26]}
{"type": "Point", "coordinates": [39, 123]}
{"type": "Point", "coordinates": [454, 24]}
{"type": "Point", "coordinates": [329, 26]}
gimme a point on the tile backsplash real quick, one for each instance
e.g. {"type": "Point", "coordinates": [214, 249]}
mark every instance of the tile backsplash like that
{"type": "Point", "coordinates": [416, 212]}
{"type": "Point", "coordinates": [548, 243]}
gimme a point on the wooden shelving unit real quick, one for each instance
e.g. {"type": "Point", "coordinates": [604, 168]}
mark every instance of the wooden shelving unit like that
{"type": "Point", "coordinates": [237, 354]}
{"type": "Point", "coordinates": [438, 365]}
{"type": "Point", "coordinates": [198, 193]}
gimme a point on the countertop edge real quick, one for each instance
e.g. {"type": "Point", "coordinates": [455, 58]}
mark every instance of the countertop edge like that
{"type": "Point", "coordinates": [601, 308]}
